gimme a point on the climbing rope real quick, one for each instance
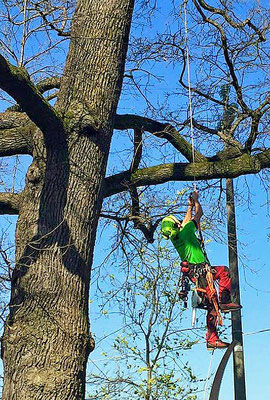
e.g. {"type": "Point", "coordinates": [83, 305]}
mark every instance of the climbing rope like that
{"type": "Point", "coordinates": [209, 276]}
{"type": "Point", "coordinates": [189, 88]}
{"type": "Point", "coordinates": [208, 375]}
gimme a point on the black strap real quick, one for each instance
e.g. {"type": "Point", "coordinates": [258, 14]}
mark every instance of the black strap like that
{"type": "Point", "coordinates": [219, 374]}
{"type": "Point", "coordinates": [195, 223]}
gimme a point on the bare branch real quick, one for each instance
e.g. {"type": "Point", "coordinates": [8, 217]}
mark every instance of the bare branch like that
{"type": "Point", "coordinates": [265, 103]}
{"type": "Point", "coordinates": [16, 82]}
{"type": "Point", "coordinates": [60, 32]}
{"type": "Point", "coordinates": [253, 132]}
{"type": "Point", "coordinates": [226, 168]}
{"type": "Point", "coordinates": [10, 203]}
{"type": "Point", "coordinates": [137, 152]}
{"type": "Point", "coordinates": [43, 86]}
{"type": "Point", "coordinates": [230, 20]}
{"type": "Point", "coordinates": [228, 60]}
{"type": "Point", "coordinates": [139, 222]}
{"type": "Point", "coordinates": [8, 263]}
{"type": "Point", "coordinates": [50, 83]}
{"type": "Point", "coordinates": [52, 96]}
{"type": "Point", "coordinates": [163, 131]}
{"type": "Point", "coordinates": [14, 142]}
{"type": "Point", "coordinates": [192, 89]}
{"type": "Point", "coordinates": [227, 138]}
{"type": "Point", "coordinates": [16, 131]}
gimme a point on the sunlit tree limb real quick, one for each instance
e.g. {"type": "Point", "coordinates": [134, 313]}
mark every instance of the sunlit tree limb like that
{"type": "Point", "coordinates": [9, 203]}
{"type": "Point", "coordinates": [228, 168]}
{"type": "Point", "coordinates": [16, 82]}
{"type": "Point", "coordinates": [50, 83]}
{"type": "Point", "coordinates": [16, 132]}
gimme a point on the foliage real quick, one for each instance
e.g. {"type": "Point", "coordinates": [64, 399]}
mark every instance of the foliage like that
{"type": "Point", "coordinates": [146, 357]}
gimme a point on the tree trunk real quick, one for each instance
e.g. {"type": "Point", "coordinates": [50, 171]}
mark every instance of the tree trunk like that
{"type": "Point", "coordinates": [47, 339]}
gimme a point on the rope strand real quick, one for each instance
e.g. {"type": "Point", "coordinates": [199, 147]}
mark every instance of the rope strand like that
{"type": "Point", "coordinates": [208, 376]}
{"type": "Point", "coordinates": [189, 88]}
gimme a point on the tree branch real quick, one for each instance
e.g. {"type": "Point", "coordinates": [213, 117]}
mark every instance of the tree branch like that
{"type": "Point", "coordinates": [49, 83]}
{"type": "Point", "coordinates": [228, 60]}
{"type": "Point", "coordinates": [160, 130]}
{"type": "Point", "coordinates": [138, 220]}
{"type": "Point", "coordinates": [192, 89]}
{"type": "Point", "coordinates": [227, 168]}
{"type": "Point", "coordinates": [226, 138]}
{"type": "Point", "coordinates": [137, 149]}
{"type": "Point", "coordinates": [10, 203]}
{"type": "Point", "coordinates": [253, 132]}
{"type": "Point", "coordinates": [226, 16]}
{"type": "Point", "coordinates": [43, 15]}
{"type": "Point", "coordinates": [15, 134]}
{"type": "Point", "coordinates": [16, 82]}
{"type": "Point", "coordinates": [43, 86]}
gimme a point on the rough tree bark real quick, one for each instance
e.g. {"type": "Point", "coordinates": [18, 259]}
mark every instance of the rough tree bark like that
{"type": "Point", "coordinates": [47, 340]}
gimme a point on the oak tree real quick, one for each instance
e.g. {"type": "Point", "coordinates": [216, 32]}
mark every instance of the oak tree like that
{"type": "Point", "coordinates": [47, 338]}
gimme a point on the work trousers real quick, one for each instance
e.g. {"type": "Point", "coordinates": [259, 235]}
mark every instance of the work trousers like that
{"type": "Point", "coordinates": [224, 285]}
{"type": "Point", "coordinates": [221, 275]}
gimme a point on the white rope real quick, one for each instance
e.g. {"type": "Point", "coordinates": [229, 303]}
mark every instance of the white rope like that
{"type": "Point", "coordinates": [189, 87]}
{"type": "Point", "coordinates": [208, 375]}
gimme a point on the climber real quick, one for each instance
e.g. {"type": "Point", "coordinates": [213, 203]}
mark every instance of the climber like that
{"type": "Point", "coordinates": [195, 262]}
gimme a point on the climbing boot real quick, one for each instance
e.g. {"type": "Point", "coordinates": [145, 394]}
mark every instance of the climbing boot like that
{"type": "Point", "coordinates": [229, 307]}
{"type": "Point", "coordinates": [226, 304]}
{"type": "Point", "coordinates": [217, 344]}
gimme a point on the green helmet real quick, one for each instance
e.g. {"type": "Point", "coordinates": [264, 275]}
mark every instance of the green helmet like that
{"type": "Point", "coordinates": [169, 227]}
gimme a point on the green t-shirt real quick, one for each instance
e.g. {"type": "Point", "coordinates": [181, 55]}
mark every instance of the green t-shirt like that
{"type": "Point", "coordinates": [186, 242]}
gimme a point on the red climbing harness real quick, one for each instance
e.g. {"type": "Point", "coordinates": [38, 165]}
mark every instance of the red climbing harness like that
{"type": "Point", "coordinates": [202, 276]}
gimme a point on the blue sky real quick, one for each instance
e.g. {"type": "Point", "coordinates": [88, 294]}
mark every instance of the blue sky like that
{"type": "Point", "coordinates": [254, 277]}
